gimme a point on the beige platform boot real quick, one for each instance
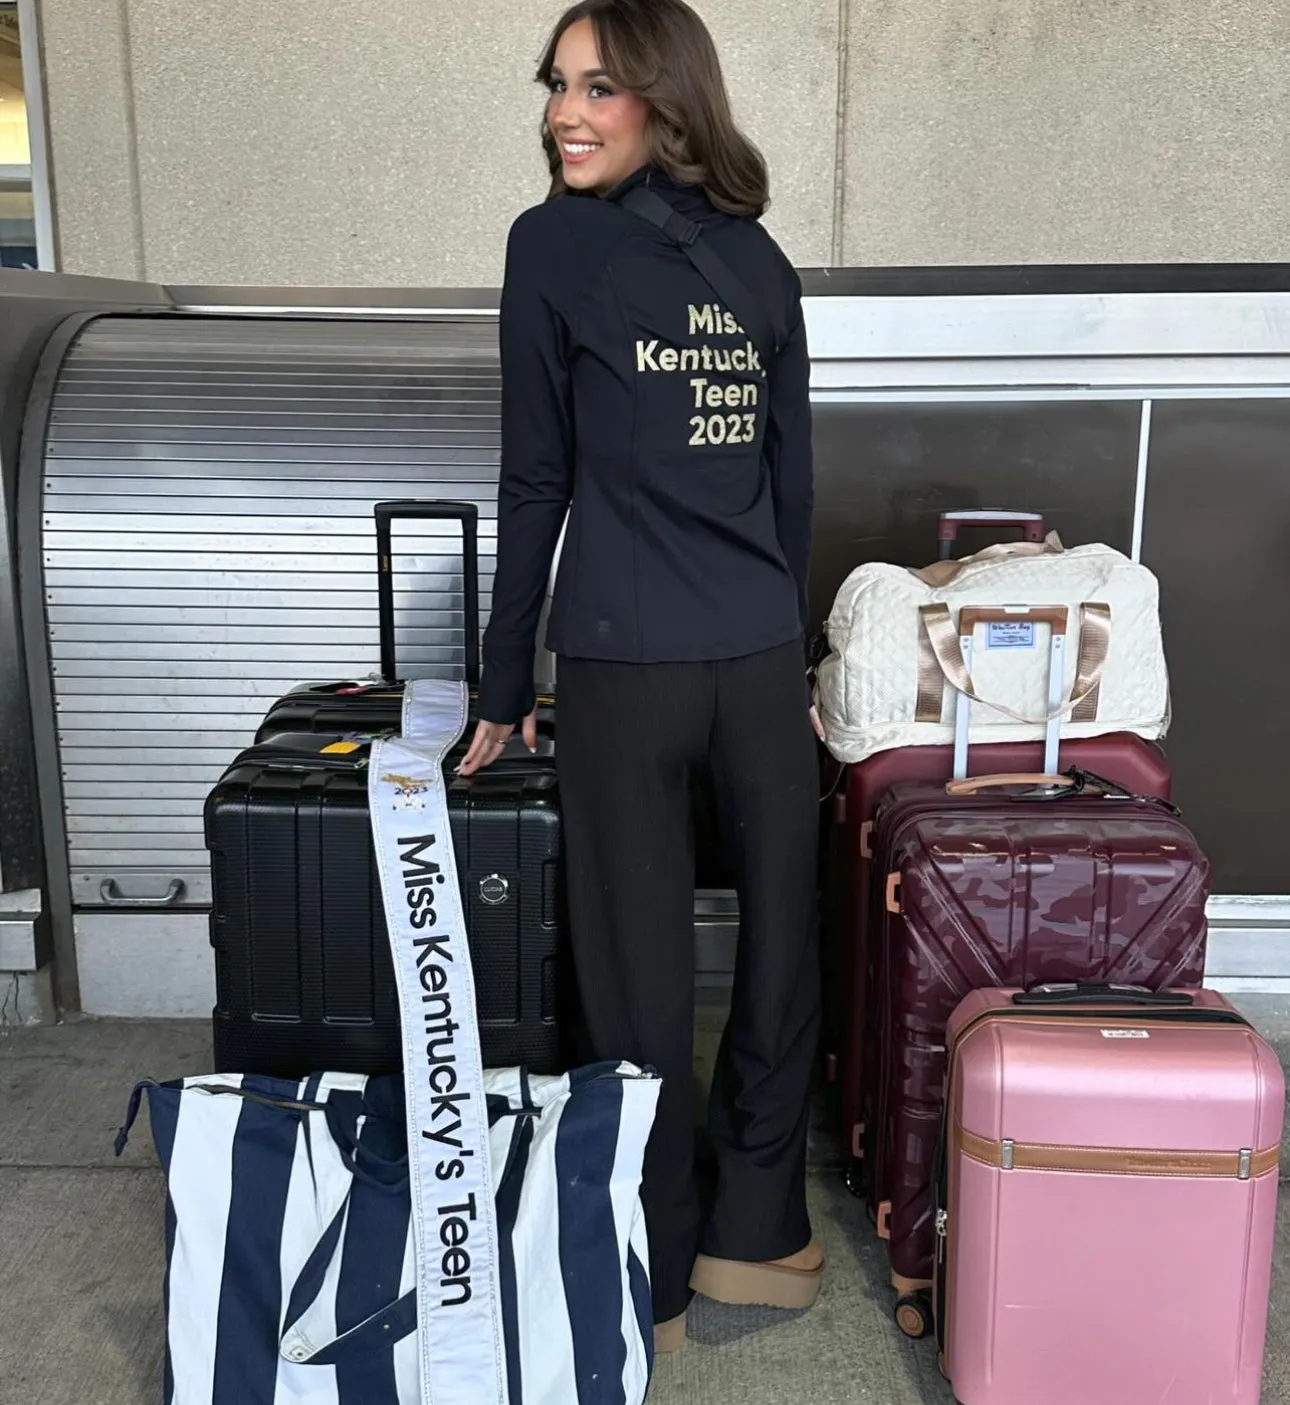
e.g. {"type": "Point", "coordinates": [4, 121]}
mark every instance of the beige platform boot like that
{"type": "Point", "coordinates": [793, 1282]}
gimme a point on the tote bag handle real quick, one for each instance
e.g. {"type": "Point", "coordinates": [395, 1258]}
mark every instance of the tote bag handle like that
{"type": "Point", "coordinates": [309, 1338]}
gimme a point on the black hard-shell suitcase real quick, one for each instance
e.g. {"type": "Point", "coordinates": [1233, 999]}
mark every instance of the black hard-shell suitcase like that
{"type": "Point", "coordinates": [303, 974]}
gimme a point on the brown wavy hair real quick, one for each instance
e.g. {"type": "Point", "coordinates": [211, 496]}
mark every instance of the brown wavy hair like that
{"type": "Point", "coordinates": [662, 51]}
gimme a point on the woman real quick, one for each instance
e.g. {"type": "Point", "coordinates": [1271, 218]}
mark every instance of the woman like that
{"type": "Point", "coordinates": [634, 399]}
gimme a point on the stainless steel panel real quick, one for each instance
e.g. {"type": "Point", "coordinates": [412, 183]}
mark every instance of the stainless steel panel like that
{"type": "Point", "coordinates": [184, 534]}
{"type": "Point", "coordinates": [167, 733]}
{"type": "Point", "coordinates": [88, 493]}
{"type": "Point", "coordinates": [94, 758]}
{"type": "Point", "coordinates": [120, 862]}
{"type": "Point", "coordinates": [190, 793]}
{"type": "Point", "coordinates": [17, 945]}
{"type": "Point", "coordinates": [207, 544]}
{"type": "Point", "coordinates": [170, 557]}
{"type": "Point", "coordinates": [167, 690]}
{"type": "Point", "coordinates": [1026, 326]}
{"type": "Point", "coordinates": [199, 625]}
{"type": "Point", "coordinates": [113, 948]}
{"type": "Point", "coordinates": [239, 584]}
{"type": "Point", "coordinates": [145, 883]}
{"type": "Point", "coordinates": [353, 301]}
{"type": "Point", "coordinates": [114, 777]}
{"type": "Point", "coordinates": [146, 808]}
{"type": "Point", "coordinates": [115, 711]}
{"type": "Point", "coordinates": [227, 672]}
{"type": "Point", "coordinates": [169, 652]}
{"type": "Point", "coordinates": [289, 460]}
{"type": "Point", "coordinates": [75, 608]}
{"type": "Point", "coordinates": [352, 534]}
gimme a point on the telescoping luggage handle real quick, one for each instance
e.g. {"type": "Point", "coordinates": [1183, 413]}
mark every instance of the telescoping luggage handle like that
{"type": "Point", "coordinates": [427, 510]}
{"type": "Point", "coordinates": [1031, 524]}
{"type": "Point", "coordinates": [948, 658]}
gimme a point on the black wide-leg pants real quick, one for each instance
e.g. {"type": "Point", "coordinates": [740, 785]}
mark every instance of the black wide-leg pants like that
{"type": "Point", "coordinates": [630, 737]}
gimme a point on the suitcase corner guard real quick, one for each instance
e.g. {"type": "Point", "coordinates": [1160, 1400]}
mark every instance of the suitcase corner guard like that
{"type": "Point", "coordinates": [893, 892]}
{"type": "Point", "coordinates": [884, 1220]}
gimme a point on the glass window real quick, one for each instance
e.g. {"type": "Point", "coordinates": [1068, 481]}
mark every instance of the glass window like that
{"type": "Point", "coordinates": [17, 209]}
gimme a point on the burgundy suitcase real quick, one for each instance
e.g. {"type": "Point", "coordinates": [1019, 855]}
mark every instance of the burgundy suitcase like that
{"type": "Point", "coordinates": [1006, 885]}
{"type": "Point", "coordinates": [1107, 1200]}
{"type": "Point", "coordinates": [1130, 761]}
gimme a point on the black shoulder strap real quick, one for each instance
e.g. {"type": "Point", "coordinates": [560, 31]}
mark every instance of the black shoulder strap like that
{"type": "Point", "coordinates": [722, 279]}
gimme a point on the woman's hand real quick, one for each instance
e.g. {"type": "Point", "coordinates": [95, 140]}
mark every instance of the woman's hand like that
{"type": "Point", "coordinates": [490, 740]}
{"type": "Point", "coordinates": [816, 723]}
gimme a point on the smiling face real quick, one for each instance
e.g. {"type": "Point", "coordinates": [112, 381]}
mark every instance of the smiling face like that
{"type": "Point", "coordinates": [599, 130]}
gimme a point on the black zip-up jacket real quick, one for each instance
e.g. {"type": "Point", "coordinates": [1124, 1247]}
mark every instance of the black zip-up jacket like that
{"type": "Point", "coordinates": [632, 398]}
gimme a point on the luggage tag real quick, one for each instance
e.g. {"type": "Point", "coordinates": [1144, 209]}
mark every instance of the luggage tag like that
{"type": "Point", "coordinates": [350, 742]}
{"type": "Point", "coordinates": [1010, 634]}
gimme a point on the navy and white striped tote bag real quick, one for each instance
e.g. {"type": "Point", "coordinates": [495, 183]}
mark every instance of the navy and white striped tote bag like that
{"type": "Point", "coordinates": [290, 1266]}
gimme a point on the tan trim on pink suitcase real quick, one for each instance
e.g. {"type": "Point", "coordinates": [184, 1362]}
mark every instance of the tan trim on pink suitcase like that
{"type": "Point", "coordinates": [1116, 1161]}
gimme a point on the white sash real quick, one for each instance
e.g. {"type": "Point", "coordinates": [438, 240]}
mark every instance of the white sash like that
{"type": "Point", "coordinates": [459, 1319]}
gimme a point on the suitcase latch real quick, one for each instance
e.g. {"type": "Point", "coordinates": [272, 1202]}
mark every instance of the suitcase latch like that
{"type": "Point", "coordinates": [1243, 1164]}
{"type": "Point", "coordinates": [1006, 1157]}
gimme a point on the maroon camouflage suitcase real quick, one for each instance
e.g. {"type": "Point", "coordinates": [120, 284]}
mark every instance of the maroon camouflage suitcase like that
{"type": "Point", "coordinates": [1002, 881]}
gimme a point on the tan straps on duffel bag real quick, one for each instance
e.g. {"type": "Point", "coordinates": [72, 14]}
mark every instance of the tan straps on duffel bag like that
{"type": "Point", "coordinates": [940, 658]}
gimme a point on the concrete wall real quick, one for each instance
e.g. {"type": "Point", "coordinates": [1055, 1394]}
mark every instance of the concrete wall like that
{"type": "Point", "coordinates": [1101, 131]}
{"type": "Point", "coordinates": [319, 142]}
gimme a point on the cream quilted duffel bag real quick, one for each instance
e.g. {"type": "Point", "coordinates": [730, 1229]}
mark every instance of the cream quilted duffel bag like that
{"type": "Point", "coordinates": [1012, 644]}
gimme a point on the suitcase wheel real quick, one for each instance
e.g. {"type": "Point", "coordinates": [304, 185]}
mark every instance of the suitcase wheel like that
{"type": "Point", "coordinates": [853, 1177]}
{"type": "Point", "coordinates": [914, 1315]}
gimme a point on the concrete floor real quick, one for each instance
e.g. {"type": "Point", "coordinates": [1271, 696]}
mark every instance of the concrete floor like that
{"type": "Point", "coordinates": [81, 1250]}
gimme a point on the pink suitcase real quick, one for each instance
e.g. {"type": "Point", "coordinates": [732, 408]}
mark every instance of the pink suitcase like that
{"type": "Point", "coordinates": [1108, 1199]}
